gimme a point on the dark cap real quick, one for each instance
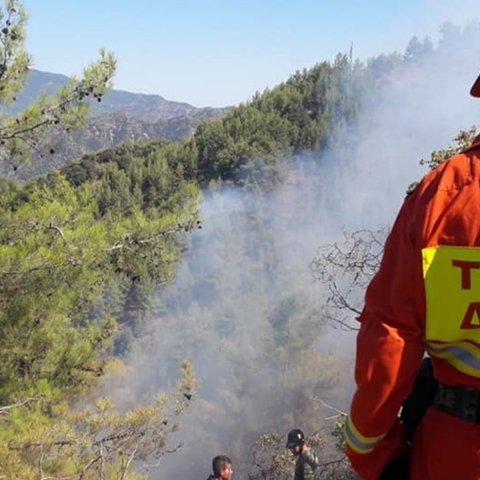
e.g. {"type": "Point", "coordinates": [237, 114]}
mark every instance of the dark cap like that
{"type": "Point", "coordinates": [295, 437]}
{"type": "Point", "coordinates": [475, 90]}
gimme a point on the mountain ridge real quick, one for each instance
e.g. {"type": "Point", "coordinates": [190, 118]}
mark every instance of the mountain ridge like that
{"type": "Point", "coordinates": [119, 117]}
{"type": "Point", "coordinates": [146, 107]}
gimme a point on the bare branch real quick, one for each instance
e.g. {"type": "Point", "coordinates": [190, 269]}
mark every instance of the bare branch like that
{"type": "Point", "coordinates": [6, 408]}
{"type": "Point", "coordinates": [156, 465]}
{"type": "Point", "coordinates": [129, 461]}
{"type": "Point", "coordinates": [130, 240]}
{"type": "Point", "coordinates": [346, 268]}
{"type": "Point", "coordinates": [325, 404]}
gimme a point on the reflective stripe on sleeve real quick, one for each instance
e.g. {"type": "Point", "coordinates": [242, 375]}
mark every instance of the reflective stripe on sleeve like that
{"type": "Point", "coordinates": [356, 441]}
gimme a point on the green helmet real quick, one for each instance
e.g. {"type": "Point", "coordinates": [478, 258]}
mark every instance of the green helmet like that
{"type": "Point", "coordinates": [295, 437]}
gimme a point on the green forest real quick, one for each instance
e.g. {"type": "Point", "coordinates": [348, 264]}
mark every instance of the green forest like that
{"type": "Point", "coordinates": [85, 251]}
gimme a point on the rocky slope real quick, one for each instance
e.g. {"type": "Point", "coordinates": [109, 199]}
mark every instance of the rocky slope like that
{"type": "Point", "coordinates": [121, 116]}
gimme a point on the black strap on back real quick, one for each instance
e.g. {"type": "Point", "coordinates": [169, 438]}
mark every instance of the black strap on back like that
{"type": "Point", "coordinates": [421, 397]}
{"type": "Point", "coordinates": [461, 402]}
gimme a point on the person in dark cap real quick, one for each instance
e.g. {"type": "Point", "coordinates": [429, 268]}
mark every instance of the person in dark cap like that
{"type": "Point", "coordinates": [307, 460]}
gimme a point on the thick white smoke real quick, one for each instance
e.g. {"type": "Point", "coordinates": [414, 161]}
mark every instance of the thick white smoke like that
{"type": "Point", "coordinates": [251, 262]}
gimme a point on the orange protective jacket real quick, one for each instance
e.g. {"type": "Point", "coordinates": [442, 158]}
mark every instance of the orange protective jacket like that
{"type": "Point", "coordinates": [425, 297]}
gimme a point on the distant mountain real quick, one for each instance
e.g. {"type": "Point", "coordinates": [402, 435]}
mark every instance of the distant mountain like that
{"type": "Point", "coordinates": [119, 117]}
{"type": "Point", "coordinates": [148, 108]}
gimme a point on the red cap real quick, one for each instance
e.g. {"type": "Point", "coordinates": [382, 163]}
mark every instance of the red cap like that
{"type": "Point", "coordinates": [475, 90]}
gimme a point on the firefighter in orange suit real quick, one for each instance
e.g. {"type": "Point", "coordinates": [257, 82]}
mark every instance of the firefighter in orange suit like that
{"type": "Point", "coordinates": [425, 297]}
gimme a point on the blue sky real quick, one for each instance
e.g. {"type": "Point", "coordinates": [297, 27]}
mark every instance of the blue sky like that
{"type": "Point", "coordinates": [220, 52]}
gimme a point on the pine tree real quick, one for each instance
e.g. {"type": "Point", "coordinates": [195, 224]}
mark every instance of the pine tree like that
{"type": "Point", "coordinates": [63, 254]}
{"type": "Point", "coordinates": [25, 132]}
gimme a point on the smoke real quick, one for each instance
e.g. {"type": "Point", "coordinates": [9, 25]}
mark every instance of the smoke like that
{"type": "Point", "coordinates": [245, 308]}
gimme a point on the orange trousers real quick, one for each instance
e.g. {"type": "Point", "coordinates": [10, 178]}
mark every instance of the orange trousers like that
{"type": "Point", "coordinates": [445, 448]}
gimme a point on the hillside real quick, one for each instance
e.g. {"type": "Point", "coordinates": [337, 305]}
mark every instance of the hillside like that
{"type": "Point", "coordinates": [121, 116]}
{"type": "Point", "coordinates": [107, 238]}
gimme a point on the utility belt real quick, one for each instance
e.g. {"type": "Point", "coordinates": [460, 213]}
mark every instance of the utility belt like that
{"type": "Point", "coordinates": [460, 402]}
